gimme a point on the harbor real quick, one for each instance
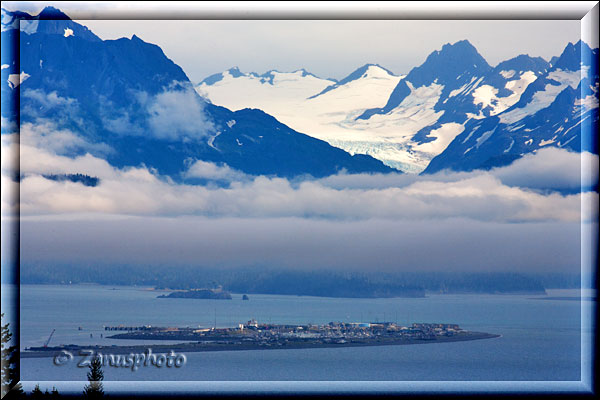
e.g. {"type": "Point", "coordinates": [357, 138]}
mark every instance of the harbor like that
{"type": "Point", "coordinates": [254, 336]}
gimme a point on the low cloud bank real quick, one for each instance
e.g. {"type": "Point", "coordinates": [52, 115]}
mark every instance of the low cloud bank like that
{"type": "Point", "coordinates": [501, 195]}
{"type": "Point", "coordinates": [482, 220]}
{"type": "Point", "coordinates": [550, 169]}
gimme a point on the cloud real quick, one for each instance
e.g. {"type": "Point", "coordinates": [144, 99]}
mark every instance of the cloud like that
{"type": "Point", "coordinates": [138, 191]}
{"type": "Point", "coordinates": [176, 113]}
{"type": "Point", "coordinates": [207, 170]}
{"type": "Point", "coordinates": [550, 168]}
{"type": "Point", "coordinates": [48, 100]}
{"type": "Point", "coordinates": [45, 135]}
{"type": "Point", "coordinates": [7, 125]}
{"type": "Point", "coordinates": [460, 221]}
{"type": "Point", "coordinates": [38, 106]}
{"type": "Point", "coordinates": [120, 122]}
{"type": "Point", "coordinates": [481, 195]}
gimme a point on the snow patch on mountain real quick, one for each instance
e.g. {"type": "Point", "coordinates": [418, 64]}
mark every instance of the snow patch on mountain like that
{"type": "Point", "coordinates": [570, 78]}
{"type": "Point", "coordinates": [544, 98]}
{"type": "Point", "coordinates": [540, 100]}
{"type": "Point", "coordinates": [280, 90]}
{"type": "Point", "coordinates": [15, 80]}
{"type": "Point", "coordinates": [486, 95]}
{"type": "Point", "coordinates": [484, 136]}
{"type": "Point", "coordinates": [518, 86]}
{"type": "Point", "coordinates": [507, 74]}
{"type": "Point", "coordinates": [464, 89]}
{"type": "Point", "coordinates": [414, 113]}
{"type": "Point", "coordinates": [443, 136]}
{"type": "Point", "coordinates": [547, 142]}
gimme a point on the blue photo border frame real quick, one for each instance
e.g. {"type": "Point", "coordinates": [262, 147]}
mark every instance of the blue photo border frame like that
{"type": "Point", "coordinates": [586, 12]}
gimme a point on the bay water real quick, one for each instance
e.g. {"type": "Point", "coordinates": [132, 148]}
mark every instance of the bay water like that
{"type": "Point", "coordinates": [541, 340]}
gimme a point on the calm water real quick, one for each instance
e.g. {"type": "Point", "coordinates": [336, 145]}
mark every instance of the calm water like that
{"type": "Point", "coordinates": [541, 339]}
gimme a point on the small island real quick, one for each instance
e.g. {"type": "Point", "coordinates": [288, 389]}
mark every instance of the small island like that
{"type": "Point", "coordinates": [214, 294]}
{"type": "Point", "coordinates": [254, 336]}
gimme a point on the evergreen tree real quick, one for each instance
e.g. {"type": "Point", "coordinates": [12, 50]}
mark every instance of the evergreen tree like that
{"type": "Point", "coordinates": [94, 390]}
{"type": "Point", "coordinates": [10, 357]}
{"type": "Point", "coordinates": [54, 394]}
{"type": "Point", "coordinates": [36, 393]}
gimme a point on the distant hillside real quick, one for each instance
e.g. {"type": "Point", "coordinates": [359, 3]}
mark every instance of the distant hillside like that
{"type": "Point", "coordinates": [128, 98]}
{"type": "Point", "coordinates": [324, 283]}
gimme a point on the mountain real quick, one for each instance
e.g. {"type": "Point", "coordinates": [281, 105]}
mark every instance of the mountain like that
{"type": "Point", "coordinates": [361, 73]}
{"type": "Point", "coordinates": [404, 121]}
{"type": "Point", "coordinates": [236, 90]}
{"type": "Point", "coordinates": [560, 109]}
{"type": "Point", "coordinates": [126, 97]}
{"type": "Point", "coordinates": [322, 108]}
{"type": "Point", "coordinates": [454, 66]}
{"type": "Point", "coordinates": [453, 86]}
{"type": "Point", "coordinates": [49, 21]}
{"type": "Point", "coordinates": [134, 106]}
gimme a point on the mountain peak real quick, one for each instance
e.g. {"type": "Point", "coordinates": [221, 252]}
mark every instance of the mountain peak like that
{"type": "Point", "coordinates": [461, 44]}
{"type": "Point", "coordinates": [355, 75]}
{"type": "Point", "coordinates": [372, 66]}
{"type": "Point", "coordinates": [572, 56]}
{"type": "Point", "coordinates": [461, 50]}
{"type": "Point", "coordinates": [451, 66]}
{"type": "Point", "coordinates": [447, 64]}
{"type": "Point", "coordinates": [50, 12]}
{"type": "Point", "coordinates": [303, 72]}
{"type": "Point", "coordinates": [524, 62]}
{"type": "Point", "coordinates": [235, 72]}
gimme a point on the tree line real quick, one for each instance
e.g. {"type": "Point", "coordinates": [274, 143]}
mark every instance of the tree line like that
{"type": "Point", "coordinates": [315, 282]}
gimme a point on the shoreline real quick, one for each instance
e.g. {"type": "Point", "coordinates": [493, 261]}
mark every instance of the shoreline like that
{"type": "Point", "coordinates": [197, 347]}
{"type": "Point", "coordinates": [427, 293]}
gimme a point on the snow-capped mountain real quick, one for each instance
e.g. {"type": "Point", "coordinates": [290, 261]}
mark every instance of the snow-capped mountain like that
{"type": "Point", "coordinates": [236, 90]}
{"type": "Point", "coordinates": [452, 111]}
{"type": "Point", "coordinates": [297, 97]}
{"type": "Point", "coordinates": [560, 108]}
{"type": "Point", "coordinates": [322, 108]}
{"type": "Point", "coordinates": [404, 121]}
{"type": "Point", "coordinates": [127, 98]}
